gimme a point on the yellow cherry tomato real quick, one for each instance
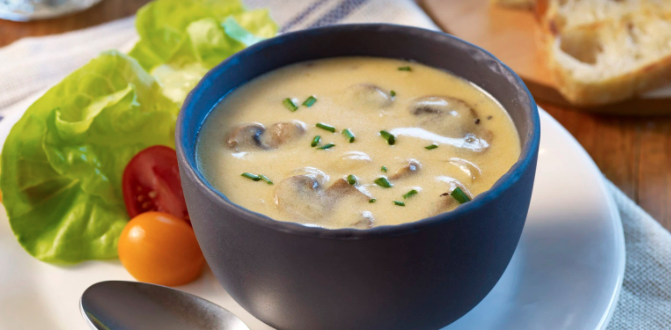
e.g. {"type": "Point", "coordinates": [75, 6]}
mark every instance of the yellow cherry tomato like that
{"type": "Point", "coordinates": [160, 248]}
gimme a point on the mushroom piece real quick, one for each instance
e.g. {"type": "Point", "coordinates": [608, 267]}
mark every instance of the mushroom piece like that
{"type": "Point", "coordinates": [321, 177]}
{"type": "Point", "coordinates": [245, 137]}
{"type": "Point", "coordinates": [350, 160]}
{"type": "Point", "coordinates": [281, 133]}
{"type": "Point", "coordinates": [369, 95]}
{"type": "Point", "coordinates": [441, 105]}
{"type": "Point", "coordinates": [303, 197]}
{"type": "Point", "coordinates": [256, 136]}
{"type": "Point", "coordinates": [444, 114]}
{"type": "Point", "coordinates": [448, 202]}
{"type": "Point", "coordinates": [366, 220]}
{"type": "Point", "coordinates": [469, 168]}
{"type": "Point", "coordinates": [471, 142]}
{"type": "Point", "coordinates": [341, 188]}
{"type": "Point", "coordinates": [449, 116]}
{"type": "Point", "coordinates": [413, 166]}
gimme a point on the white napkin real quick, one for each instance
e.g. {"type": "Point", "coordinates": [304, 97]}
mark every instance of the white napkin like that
{"type": "Point", "coordinates": [32, 64]}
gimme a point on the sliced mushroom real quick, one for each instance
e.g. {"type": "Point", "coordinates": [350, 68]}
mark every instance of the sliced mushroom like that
{"type": "Point", "coordinates": [245, 137]}
{"type": "Point", "coordinates": [454, 184]}
{"type": "Point", "coordinates": [350, 160]}
{"type": "Point", "coordinates": [256, 136]}
{"type": "Point", "coordinates": [469, 168]}
{"type": "Point", "coordinates": [369, 95]}
{"type": "Point", "coordinates": [441, 105]}
{"type": "Point", "coordinates": [303, 197]}
{"type": "Point", "coordinates": [321, 177]}
{"type": "Point", "coordinates": [281, 133]}
{"type": "Point", "coordinates": [366, 220]}
{"type": "Point", "coordinates": [448, 202]}
{"type": "Point", "coordinates": [454, 118]}
{"type": "Point", "coordinates": [472, 142]}
{"type": "Point", "coordinates": [412, 167]}
{"type": "Point", "coordinates": [341, 188]}
{"type": "Point", "coordinates": [445, 115]}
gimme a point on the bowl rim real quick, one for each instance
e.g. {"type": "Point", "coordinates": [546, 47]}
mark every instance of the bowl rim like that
{"type": "Point", "coordinates": [528, 152]}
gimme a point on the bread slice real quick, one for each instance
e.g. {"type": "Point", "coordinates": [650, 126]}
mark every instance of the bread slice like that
{"type": "Point", "coordinates": [604, 51]}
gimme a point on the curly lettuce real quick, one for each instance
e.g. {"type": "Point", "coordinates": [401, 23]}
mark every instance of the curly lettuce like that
{"type": "Point", "coordinates": [63, 161]}
{"type": "Point", "coordinates": [181, 40]}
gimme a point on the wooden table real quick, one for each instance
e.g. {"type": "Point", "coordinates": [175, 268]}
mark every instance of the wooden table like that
{"type": "Point", "coordinates": [105, 11]}
{"type": "Point", "coordinates": [633, 152]}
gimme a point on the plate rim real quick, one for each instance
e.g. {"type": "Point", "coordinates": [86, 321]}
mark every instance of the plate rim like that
{"type": "Point", "coordinates": [614, 215]}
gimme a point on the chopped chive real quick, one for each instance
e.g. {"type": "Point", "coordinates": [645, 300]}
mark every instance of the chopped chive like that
{"type": "Point", "coordinates": [383, 169]}
{"type": "Point", "coordinates": [391, 139]}
{"type": "Point", "coordinates": [326, 146]}
{"type": "Point", "coordinates": [315, 141]}
{"type": "Point", "coordinates": [351, 179]}
{"type": "Point", "coordinates": [310, 101]}
{"type": "Point", "coordinates": [326, 127]}
{"type": "Point", "coordinates": [289, 104]}
{"type": "Point", "coordinates": [251, 176]}
{"type": "Point", "coordinates": [383, 182]}
{"type": "Point", "coordinates": [431, 147]}
{"type": "Point", "coordinates": [405, 68]}
{"type": "Point", "coordinates": [399, 203]}
{"type": "Point", "coordinates": [349, 135]}
{"type": "Point", "coordinates": [265, 178]}
{"type": "Point", "coordinates": [410, 194]}
{"type": "Point", "coordinates": [460, 196]}
{"type": "Point", "coordinates": [372, 200]}
{"type": "Point", "coordinates": [392, 93]}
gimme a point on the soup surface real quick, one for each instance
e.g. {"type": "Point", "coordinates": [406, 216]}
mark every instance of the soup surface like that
{"type": "Point", "coordinates": [447, 142]}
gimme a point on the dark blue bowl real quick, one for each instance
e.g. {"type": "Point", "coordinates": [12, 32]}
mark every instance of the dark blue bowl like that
{"type": "Point", "coordinates": [419, 275]}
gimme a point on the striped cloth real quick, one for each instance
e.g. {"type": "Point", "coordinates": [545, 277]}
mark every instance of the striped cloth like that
{"type": "Point", "coordinates": [31, 65]}
{"type": "Point", "coordinates": [37, 63]}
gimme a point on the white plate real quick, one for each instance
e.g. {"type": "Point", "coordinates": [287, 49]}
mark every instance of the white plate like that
{"type": "Point", "coordinates": [566, 272]}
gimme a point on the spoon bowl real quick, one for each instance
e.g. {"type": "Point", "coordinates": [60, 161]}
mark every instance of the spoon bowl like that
{"type": "Point", "coordinates": [134, 305]}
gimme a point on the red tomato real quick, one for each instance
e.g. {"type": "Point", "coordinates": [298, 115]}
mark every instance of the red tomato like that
{"type": "Point", "coordinates": [160, 248]}
{"type": "Point", "coordinates": [151, 183]}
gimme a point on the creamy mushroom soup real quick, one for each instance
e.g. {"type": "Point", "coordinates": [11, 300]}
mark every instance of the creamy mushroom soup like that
{"type": "Point", "coordinates": [356, 142]}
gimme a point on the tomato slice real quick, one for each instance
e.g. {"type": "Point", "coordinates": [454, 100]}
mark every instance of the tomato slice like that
{"type": "Point", "coordinates": [151, 183]}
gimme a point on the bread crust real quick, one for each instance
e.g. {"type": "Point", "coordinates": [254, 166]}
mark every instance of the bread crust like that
{"type": "Point", "coordinates": [516, 4]}
{"type": "Point", "coordinates": [612, 87]}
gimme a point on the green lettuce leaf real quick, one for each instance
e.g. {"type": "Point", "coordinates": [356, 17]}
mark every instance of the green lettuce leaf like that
{"type": "Point", "coordinates": [63, 161]}
{"type": "Point", "coordinates": [181, 40]}
{"type": "Point", "coordinates": [161, 25]}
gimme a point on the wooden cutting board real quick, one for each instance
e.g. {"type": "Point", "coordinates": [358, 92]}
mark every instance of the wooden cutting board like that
{"type": "Point", "coordinates": [514, 36]}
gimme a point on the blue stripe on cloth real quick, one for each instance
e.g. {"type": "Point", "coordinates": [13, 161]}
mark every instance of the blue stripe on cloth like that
{"type": "Point", "coordinates": [302, 15]}
{"type": "Point", "coordinates": [339, 12]}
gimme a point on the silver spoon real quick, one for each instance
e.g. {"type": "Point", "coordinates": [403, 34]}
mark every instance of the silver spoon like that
{"type": "Point", "coordinates": [115, 305]}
